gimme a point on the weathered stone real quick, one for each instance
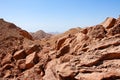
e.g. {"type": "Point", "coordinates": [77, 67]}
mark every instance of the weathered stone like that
{"type": "Point", "coordinates": [50, 72]}
{"type": "Point", "coordinates": [109, 75]}
{"type": "Point", "coordinates": [33, 48]}
{"type": "Point", "coordinates": [60, 42]}
{"type": "Point", "coordinates": [91, 53]}
{"type": "Point", "coordinates": [109, 22]}
{"type": "Point", "coordinates": [81, 37]}
{"type": "Point", "coordinates": [65, 49]}
{"type": "Point", "coordinates": [7, 59]}
{"type": "Point", "coordinates": [114, 30]}
{"type": "Point", "coordinates": [7, 66]}
{"type": "Point", "coordinates": [65, 70]}
{"type": "Point", "coordinates": [66, 58]}
{"type": "Point", "coordinates": [21, 64]}
{"type": "Point", "coordinates": [7, 73]}
{"type": "Point", "coordinates": [84, 31]}
{"type": "Point", "coordinates": [96, 32]}
{"type": "Point", "coordinates": [50, 75]}
{"type": "Point", "coordinates": [31, 60]}
{"type": "Point", "coordinates": [20, 54]}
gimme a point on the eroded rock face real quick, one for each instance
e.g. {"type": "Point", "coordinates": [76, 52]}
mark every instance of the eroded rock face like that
{"type": "Point", "coordinates": [96, 32]}
{"type": "Point", "coordinates": [91, 53]}
{"type": "Point", "coordinates": [115, 30]}
{"type": "Point", "coordinates": [109, 22]}
{"type": "Point", "coordinates": [26, 34]}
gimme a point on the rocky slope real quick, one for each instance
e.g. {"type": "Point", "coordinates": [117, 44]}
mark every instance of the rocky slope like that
{"type": "Point", "coordinates": [91, 53]}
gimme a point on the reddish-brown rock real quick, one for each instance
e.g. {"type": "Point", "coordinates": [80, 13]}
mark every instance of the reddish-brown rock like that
{"type": "Point", "coordinates": [65, 70]}
{"type": "Point", "coordinates": [92, 53]}
{"type": "Point", "coordinates": [96, 32]}
{"type": "Point", "coordinates": [7, 59]}
{"type": "Point", "coordinates": [20, 54]}
{"type": "Point", "coordinates": [65, 49]}
{"type": "Point", "coordinates": [60, 42]}
{"type": "Point", "coordinates": [114, 30]}
{"type": "Point", "coordinates": [50, 72]}
{"type": "Point", "coordinates": [33, 48]}
{"type": "Point", "coordinates": [31, 60]}
{"type": "Point", "coordinates": [21, 64]}
{"type": "Point", "coordinates": [109, 22]}
{"type": "Point", "coordinates": [26, 34]}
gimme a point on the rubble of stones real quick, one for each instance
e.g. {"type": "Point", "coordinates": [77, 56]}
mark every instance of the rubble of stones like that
{"type": "Point", "coordinates": [91, 53]}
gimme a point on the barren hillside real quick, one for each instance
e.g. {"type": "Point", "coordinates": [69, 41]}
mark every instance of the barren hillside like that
{"type": "Point", "coordinates": [91, 53]}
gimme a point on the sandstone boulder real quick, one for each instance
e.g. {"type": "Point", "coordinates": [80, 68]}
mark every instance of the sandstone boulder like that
{"type": "Point", "coordinates": [109, 22]}
{"type": "Point", "coordinates": [33, 48]}
{"type": "Point", "coordinates": [21, 64]}
{"type": "Point", "coordinates": [7, 59]}
{"type": "Point", "coordinates": [65, 70]}
{"type": "Point", "coordinates": [20, 54]}
{"type": "Point", "coordinates": [65, 49]}
{"type": "Point", "coordinates": [96, 32]}
{"type": "Point", "coordinates": [50, 75]}
{"type": "Point", "coordinates": [81, 37]}
{"type": "Point", "coordinates": [31, 60]}
{"type": "Point", "coordinates": [114, 30]}
{"type": "Point", "coordinates": [60, 42]}
{"type": "Point", "coordinates": [50, 72]}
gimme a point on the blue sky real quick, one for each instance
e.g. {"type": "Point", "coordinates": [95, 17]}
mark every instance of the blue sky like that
{"type": "Point", "coordinates": [57, 15]}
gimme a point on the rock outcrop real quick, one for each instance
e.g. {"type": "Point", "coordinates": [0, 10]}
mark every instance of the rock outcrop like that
{"type": "Point", "coordinates": [91, 53]}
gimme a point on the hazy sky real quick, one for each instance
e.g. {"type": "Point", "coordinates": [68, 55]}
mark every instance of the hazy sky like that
{"type": "Point", "coordinates": [57, 15]}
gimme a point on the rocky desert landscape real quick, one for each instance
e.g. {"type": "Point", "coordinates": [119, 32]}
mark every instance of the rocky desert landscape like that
{"type": "Point", "coordinates": [91, 53]}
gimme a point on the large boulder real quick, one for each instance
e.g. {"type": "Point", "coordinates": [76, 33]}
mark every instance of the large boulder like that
{"type": "Point", "coordinates": [109, 22]}
{"type": "Point", "coordinates": [31, 60]}
{"type": "Point", "coordinates": [114, 30]}
{"type": "Point", "coordinates": [6, 59]}
{"type": "Point", "coordinates": [65, 49]}
{"type": "Point", "coordinates": [97, 31]}
{"type": "Point", "coordinates": [33, 48]}
{"type": "Point", "coordinates": [19, 54]}
{"type": "Point", "coordinates": [65, 70]}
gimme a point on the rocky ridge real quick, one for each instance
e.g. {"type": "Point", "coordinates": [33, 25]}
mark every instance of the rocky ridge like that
{"type": "Point", "coordinates": [91, 53]}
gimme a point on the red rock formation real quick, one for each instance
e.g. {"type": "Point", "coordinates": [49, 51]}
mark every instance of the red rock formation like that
{"type": "Point", "coordinates": [92, 53]}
